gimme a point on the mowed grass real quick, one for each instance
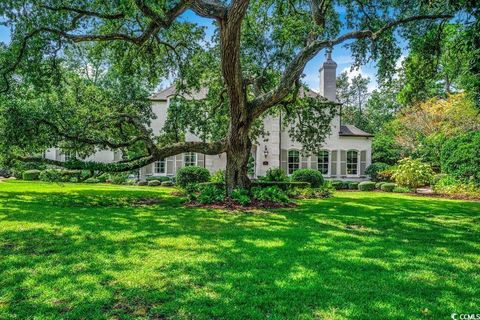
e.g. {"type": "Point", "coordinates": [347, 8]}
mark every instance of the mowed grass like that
{"type": "Point", "coordinates": [95, 252]}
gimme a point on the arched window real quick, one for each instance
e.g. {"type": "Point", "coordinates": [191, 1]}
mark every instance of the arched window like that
{"type": "Point", "coordinates": [293, 161]}
{"type": "Point", "coordinates": [189, 159]}
{"type": "Point", "coordinates": [160, 166]}
{"type": "Point", "coordinates": [352, 162]}
{"type": "Point", "coordinates": [323, 162]}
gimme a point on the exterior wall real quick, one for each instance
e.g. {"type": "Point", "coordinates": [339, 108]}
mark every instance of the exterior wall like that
{"type": "Point", "coordinates": [103, 156]}
{"type": "Point", "coordinates": [267, 151]}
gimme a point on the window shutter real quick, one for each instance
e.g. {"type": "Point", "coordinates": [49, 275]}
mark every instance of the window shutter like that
{"type": "Point", "coordinates": [149, 169]}
{"type": "Point", "coordinates": [333, 163]}
{"type": "Point", "coordinates": [343, 162]}
{"type": "Point", "coordinates": [58, 155]}
{"type": "Point", "coordinates": [283, 162]}
{"type": "Point", "coordinates": [303, 162]}
{"type": "Point", "coordinates": [178, 161]}
{"type": "Point", "coordinates": [201, 160]}
{"type": "Point", "coordinates": [314, 162]}
{"type": "Point", "coordinates": [363, 162]}
{"type": "Point", "coordinates": [170, 164]}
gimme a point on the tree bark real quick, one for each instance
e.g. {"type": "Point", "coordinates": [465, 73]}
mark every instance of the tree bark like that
{"type": "Point", "coordinates": [238, 152]}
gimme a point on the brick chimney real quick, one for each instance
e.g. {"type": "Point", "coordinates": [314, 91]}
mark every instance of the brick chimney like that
{"type": "Point", "coordinates": [328, 77]}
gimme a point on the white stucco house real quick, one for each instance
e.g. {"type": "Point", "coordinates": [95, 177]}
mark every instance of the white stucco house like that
{"type": "Point", "coordinates": [345, 155]}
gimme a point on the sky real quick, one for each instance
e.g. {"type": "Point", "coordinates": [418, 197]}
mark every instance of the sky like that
{"type": "Point", "coordinates": [340, 54]}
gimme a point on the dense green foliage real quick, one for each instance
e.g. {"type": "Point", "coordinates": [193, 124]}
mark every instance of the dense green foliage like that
{"type": "Point", "coordinates": [276, 174]}
{"type": "Point", "coordinates": [191, 175]}
{"type": "Point", "coordinates": [270, 194]}
{"type": "Point", "coordinates": [313, 177]}
{"type": "Point", "coordinates": [412, 173]}
{"type": "Point", "coordinates": [461, 157]}
{"type": "Point", "coordinates": [366, 186]}
{"type": "Point", "coordinates": [388, 187]}
{"type": "Point", "coordinates": [353, 185]}
{"type": "Point", "coordinates": [93, 251]}
{"type": "Point", "coordinates": [375, 168]}
{"type": "Point", "coordinates": [31, 175]}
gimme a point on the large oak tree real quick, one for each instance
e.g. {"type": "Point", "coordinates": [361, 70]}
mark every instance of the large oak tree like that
{"type": "Point", "coordinates": [78, 74]}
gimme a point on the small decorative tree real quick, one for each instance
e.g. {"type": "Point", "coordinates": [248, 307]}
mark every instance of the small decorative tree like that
{"type": "Point", "coordinates": [412, 173]}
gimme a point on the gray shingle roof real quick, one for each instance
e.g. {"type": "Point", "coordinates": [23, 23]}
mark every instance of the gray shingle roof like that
{"type": "Point", "coordinates": [348, 130]}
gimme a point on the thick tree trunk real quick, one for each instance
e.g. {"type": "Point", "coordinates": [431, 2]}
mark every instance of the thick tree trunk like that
{"type": "Point", "coordinates": [238, 153]}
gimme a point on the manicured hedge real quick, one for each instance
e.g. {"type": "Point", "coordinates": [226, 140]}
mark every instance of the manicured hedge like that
{"type": "Point", "coordinates": [314, 177]}
{"type": "Point", "coordinates": [31, 175]}
{"type": "Point", "coordinates": [167, 184]}
{"type": "Point", "coordinates": [158, 178]}
{"type": "Point", "coordinates": [378, 185]}
{"type": "Point", "coordinates": [154, 183]}
{"type": "Point", "coordinates": [192, 175]}
{"type": "Point", "coordinates": [366, 186]}
{"type": "Point", "coordinates": [353, 185]}
{"type": "Point", "coordinates": [388, 187]}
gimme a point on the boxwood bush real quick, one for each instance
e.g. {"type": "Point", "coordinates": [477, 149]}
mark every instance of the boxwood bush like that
{"type": "Point", "coordinates": [167, 184]}
{"type": "Point", "coordinates": [311, 176]}
{"type": "Point", "coordinates": [192, 175]}
{"type": "Point", "coordinates": [366, 186]}
{"type": "Point", "coordinates": [353, 185]}
{"type": "Point", "coordinates": [388, 187]}
{"type": "Point", "coordinates": [378, 185]}
{"type": "Point", "coordinates": [158, 178]}
{"type": "Point", "coordinates": [153, 183]}
{"type": "Point", "coordinates": [31, 175]}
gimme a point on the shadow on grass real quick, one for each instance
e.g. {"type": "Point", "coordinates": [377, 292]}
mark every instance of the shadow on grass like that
{"type": "Point", "coordinates": [66, 256]}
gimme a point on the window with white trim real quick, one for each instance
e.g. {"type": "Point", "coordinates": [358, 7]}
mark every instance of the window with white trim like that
{"type": "Point", "coordinates": [323, 162]}
{"type": "Point", "coordinates": [352, 162]}
{"type": "Point", "coordinates": [189, 159]}
{"type": "Point", "coordinates": [293, 161]}
{"type": "Point", "coordinates": [160, 166]}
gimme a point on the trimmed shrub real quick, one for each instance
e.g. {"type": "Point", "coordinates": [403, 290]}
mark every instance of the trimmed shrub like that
{"type": "Point", "coordinates": [209, 194]}
{"type": "Point", "coordinates": [353, 185]}
{"type": "Point", "coordinates": [276, 174]}
{"type": "Point", "coordinates": [131, 182]}
{"type": "Point", "coordinates": [5, 173]}
{"type": "Point", "coordinates": [270, 194]}
{"type": "Point", "coordinates": [241, 196]}
{"type": "Point", "coordinates": [337, 184]}
{"type": "Point", "coordinates": [388, 187]}
{"type": "Point", "coordinates": [459, 157]}
{"type": "Point", "coordinates": [366, 186]}
{"type": "Point", "coordinates": [142, 183]}
{"type": "Point", "coordinates": [167, 184]}
{"type": "Point", "coordinates": [31, 175]}
{"type": "Point", "coordinates": [311, 193]}
{"type": "Point", "coordinates": [158, 178]}
{"type": "Point", "coordinates": [450, 185]}
{"type": "Point", "coordinates": [154, 183]}
{"type": "Point", "coordinates": [412, 173]}
{"type": "Point", "coordinates": [192, 175]}
{"type": "Point", "coordinates": [375, 168]}
{"type": "Point", "coordinates": [399, 189]}
{"type": "Point", "coordinates": [314, 177]}
{"type": "Point", "coordinates": [378, 185]}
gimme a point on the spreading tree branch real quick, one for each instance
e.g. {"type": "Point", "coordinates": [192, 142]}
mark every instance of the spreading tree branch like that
{"type": "Point", "coordinates": [294, 70]}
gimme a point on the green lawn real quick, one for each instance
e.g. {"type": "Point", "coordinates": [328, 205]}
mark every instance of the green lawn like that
{"type": "Point", "coordinates": [95, 252]}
